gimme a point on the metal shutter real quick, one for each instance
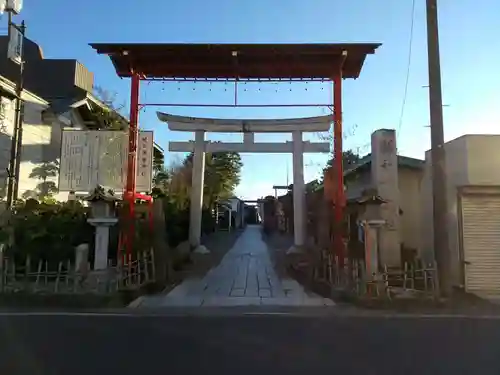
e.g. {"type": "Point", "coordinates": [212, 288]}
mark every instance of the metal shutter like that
{"type": "Point", "coordinates": [481, 243]}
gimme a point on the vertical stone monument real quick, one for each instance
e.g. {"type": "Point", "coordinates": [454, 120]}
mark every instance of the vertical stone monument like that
{"type": "Point", "coordinates": [384, 171]}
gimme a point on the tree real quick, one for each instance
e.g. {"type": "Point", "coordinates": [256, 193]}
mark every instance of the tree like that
{"type": "Point", "coordinates": [174, 182]}
{"type": "Point", "coordinates": [43, 172]}
{"type": "Point", "coordinates": [109, 116]}
{"type": "Point", "coordinates": [312, 186]}
{"type": "Point", "coordinates": [161, 175]}
{"type": "Point", "coordinates": [161, 178]}
{"type": "Point", "coordinates": [349, 160]}
{"type": "Point", "coordinates": [349, 157]}
{"type": "Point", "coordinates": [222, 175]}
{"type": "Point", "coordinates": [158, 162]}
{"type": "Point", "coordinates": [46, 188]}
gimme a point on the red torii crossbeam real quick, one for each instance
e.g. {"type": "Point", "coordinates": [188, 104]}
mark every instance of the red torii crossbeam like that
{"type": "Point", "coordinates": [238, 62]}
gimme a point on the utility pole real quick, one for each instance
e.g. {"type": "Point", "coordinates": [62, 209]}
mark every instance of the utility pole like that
{"type": "Point", "coordinates": [17, 135]}
{"type": "Point", "coordinates": [439, 183]}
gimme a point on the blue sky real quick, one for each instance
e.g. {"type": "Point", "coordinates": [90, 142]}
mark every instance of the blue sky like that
{"type": "Point", "coordinates": [468, 29]}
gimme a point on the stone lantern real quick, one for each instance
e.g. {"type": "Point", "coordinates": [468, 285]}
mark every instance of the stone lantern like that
{"type": "Point", "coordinates": [369, 207]}
{"type": "Point", "coordinates": [102, 202]}
{"type": "Point", "coordinates": [370, 221]}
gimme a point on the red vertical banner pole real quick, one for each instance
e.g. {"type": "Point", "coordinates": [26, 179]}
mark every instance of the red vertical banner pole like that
{"type": "Point", "coordinates": [151, 224]}
{"type": "Point", "coordinates": [133, 135]}
{"type": "Point", "coordinates": [339, 171]}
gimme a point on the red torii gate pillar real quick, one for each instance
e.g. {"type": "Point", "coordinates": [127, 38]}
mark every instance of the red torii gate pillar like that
{"type": "Point", "coordinates": [133, 135]}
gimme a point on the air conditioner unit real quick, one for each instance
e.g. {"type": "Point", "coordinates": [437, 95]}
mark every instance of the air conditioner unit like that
{"type": "Point", "coordinates": [14, 6]}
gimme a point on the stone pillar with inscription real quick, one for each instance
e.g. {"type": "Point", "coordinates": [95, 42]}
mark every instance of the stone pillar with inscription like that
{"type": "Point", "coordinates": [384, 172]}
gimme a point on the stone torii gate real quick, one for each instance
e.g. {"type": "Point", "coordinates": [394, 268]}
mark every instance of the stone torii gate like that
{"type": "Point", "coordinates": [200, 146]}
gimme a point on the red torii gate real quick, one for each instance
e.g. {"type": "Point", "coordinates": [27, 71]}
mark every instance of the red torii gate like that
{"type": "Point", "coordinates": [236, 63]}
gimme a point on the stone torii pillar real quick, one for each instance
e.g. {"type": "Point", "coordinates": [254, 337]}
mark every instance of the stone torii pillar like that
{"type": "Point", "coordinates": [197, 183]}
{"type": "Point", "coordinates": [299, 194]}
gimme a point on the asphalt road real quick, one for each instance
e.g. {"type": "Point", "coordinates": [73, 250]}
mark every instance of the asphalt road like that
{"type": "Point", "coordinates": [257, 344]}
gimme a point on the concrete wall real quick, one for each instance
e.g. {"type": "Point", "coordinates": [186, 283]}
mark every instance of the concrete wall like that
{"type": "Point", "coordinates": [456, 171]}
{"type": "Point", "coordinates": [470, 160]}
{"type": "Point", "coordinates": [409, 202]}
{"type": "Point", "coordinates": [36, 136]}
{"type": "Point", "coordinates": [237, 207]}
{"type": "Point", "coordinates": [483, 162]}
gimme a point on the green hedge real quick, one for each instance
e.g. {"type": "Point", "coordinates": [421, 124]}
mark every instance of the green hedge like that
{"type": "Point", "coordinates": [47, 232]}
{"type": "Point", "coordinates": [50, 232]}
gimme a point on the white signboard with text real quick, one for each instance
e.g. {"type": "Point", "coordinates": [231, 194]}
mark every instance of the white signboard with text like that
{"type": "Point", "coordinates": [14, 6]}
{"type": "Point", "coordinates": [89, 158]}
{"type": "Point", "coordinates": [15, 46]}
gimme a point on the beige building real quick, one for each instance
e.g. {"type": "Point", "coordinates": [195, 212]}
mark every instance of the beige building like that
{"type": "Point", "coordinates": [396, 179]}
{"type": "Point", "coordinates": [410, 171]}
{"type": "Point", "coordinates": [473, 207]}
{"type": "Point", "coordinates": [473, 212]}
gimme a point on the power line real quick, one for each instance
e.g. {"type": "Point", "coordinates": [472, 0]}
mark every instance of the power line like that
{"type": "Point", "coordinates": [408, 66]}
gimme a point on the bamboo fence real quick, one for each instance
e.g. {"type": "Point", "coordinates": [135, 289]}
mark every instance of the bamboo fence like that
{"type": "Point", "coordinates": [415, 278]}
{"type": "Point", "coordinates": [63, 278]}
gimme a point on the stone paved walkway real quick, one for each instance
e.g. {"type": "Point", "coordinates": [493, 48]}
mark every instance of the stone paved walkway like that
{"type": "Point", "coordinates": [245, 277]}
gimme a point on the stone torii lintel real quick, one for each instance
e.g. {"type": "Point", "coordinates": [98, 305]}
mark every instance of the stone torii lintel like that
{"type": "Point", "coordinates": [193, 124]}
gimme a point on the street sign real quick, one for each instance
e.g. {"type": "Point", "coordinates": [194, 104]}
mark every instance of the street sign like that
{"type": "Point", "coordinates": [15, 48]}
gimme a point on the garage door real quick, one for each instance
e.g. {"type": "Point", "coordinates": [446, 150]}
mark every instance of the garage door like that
{"type": "Point", "coordinates": [481, 243]}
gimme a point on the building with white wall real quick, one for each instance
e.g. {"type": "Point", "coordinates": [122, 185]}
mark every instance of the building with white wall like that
{"type": "Point", "coordinates": [472, 162]}
{"type": "Point", "coordinates": [36, 134]}
{"type": "Point", "coordinates": [237, 211]}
